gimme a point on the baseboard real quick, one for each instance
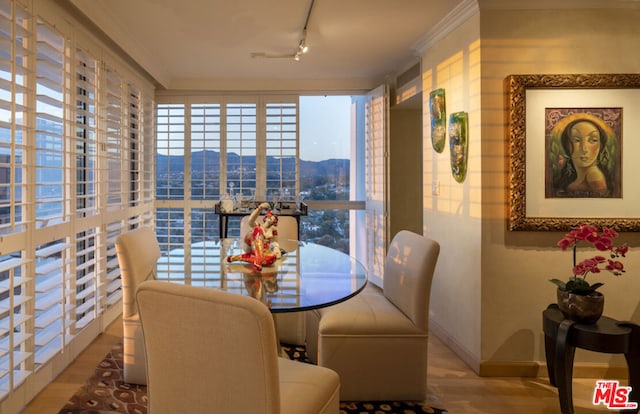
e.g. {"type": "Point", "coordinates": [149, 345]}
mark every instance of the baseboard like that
{"type": "Point", "coordinates": [524, 368]}
{"type": "Point", "coordinates": [463, 353]}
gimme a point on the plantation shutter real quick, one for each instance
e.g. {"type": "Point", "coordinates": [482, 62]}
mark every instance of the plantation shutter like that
{"type": "Point", "coordinates": [16, 302]}
{"type": "Point", "coordinates": [282, 166]}
{"type": "Point", "coordinates": [241, 148]}
{"type": "Point", "coordinates": [54, 302]}
{"type": "Point", "coordinates": [113, 123]}
{"type": "Point", "coordinates": [376, 161]}
{"type": "Point", "coordinates": [86, 145]}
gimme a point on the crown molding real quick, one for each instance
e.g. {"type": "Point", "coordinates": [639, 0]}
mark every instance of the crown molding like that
{"type": "Point", "coordinates": [468, 8]}
{"type": "Point", "coordinates": [557, 4]}
{"type": "Point", "coordinates": [461, 13]}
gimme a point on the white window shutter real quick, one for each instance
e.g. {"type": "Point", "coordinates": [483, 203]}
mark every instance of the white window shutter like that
{"type": "Point", "coordinates": [376, 167]}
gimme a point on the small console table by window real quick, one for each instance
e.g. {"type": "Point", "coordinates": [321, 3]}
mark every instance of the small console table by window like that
{"type": "Point", "coordinates": [563, 336]}
{"type": "Point", "coordinates": [282, 208]}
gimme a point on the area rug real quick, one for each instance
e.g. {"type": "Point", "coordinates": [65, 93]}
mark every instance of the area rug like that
{"type": "Point", "coordinates": [106, 392]}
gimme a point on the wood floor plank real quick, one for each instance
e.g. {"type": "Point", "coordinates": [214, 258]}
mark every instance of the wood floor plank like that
{"type": "Point", "coordinates": [451, 385]}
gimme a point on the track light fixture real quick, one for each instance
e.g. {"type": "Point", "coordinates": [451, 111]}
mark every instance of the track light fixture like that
{"type": "Point", "coordinates": [302, 45]}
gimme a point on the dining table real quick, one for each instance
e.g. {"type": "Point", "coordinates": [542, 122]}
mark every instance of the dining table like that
{"type": "Point", "coordinates": [307, 276]}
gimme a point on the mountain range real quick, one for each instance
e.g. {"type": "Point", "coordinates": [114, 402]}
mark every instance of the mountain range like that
{"type": "Point", "coordinates": [207, 159]}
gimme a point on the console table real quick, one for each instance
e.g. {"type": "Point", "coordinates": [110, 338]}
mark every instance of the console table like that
{"type": "Point", "coordinates": [563, 336]}
{"type": "Point", "coordinates": [281, 208]}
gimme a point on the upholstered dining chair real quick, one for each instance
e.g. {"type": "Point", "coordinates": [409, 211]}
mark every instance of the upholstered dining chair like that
{"type": "Point", "coordinates": [138, 252]}
{"type": "Point", "coordinates": [291, 325]}
{"type": "Point", "coordinates": [210, 351]}
{"type": "Point", "coordinates": [377, 340]}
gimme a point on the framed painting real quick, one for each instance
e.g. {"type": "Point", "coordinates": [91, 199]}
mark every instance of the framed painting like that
{"type": "Point", "coordinates": [569, 161]}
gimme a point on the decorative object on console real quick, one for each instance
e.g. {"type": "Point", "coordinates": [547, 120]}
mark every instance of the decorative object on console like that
{"type": "Point", "coordinates": [226, 204]}
{"type": "Point", "coordinates": [578, 299]}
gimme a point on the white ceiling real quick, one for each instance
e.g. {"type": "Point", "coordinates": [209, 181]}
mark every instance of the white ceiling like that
{"type": "Point", "coordinates": [207, 44]}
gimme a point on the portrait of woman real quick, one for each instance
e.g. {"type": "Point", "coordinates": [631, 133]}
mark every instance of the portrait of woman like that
{"type": "Point", "coordinates": [583, 153]}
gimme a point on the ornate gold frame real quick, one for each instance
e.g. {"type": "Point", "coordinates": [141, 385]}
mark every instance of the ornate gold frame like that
{"type": "Point", "coordinates": [517, 86]}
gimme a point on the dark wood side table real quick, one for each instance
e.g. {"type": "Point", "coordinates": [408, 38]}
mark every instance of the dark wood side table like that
{"type": "Point", "coordinates": [563, 336]}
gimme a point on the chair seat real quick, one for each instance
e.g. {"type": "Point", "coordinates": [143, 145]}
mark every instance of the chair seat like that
{"type": "Point", "coordinates": [377, 351]}
{"type": "Point", "coordinates": [306, 388]}
{"type": "Point", "coordinates": [367, 314]}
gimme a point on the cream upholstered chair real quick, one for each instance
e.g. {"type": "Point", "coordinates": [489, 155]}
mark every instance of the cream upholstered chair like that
{"type": "Point", "coordinates": [138, 252]}
{"type": "Point", "coordinates": [210, 351]}
{"type": "Point", "coordinates": [377, 340]}
{"type": "Point", "coordinates": [291, 325]}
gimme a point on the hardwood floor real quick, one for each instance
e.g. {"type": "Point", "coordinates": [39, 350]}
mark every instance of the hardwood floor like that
{"type": "Point", "coordinates": [55, 395]}
{"type": "Point", "coordinates": [452, 385]}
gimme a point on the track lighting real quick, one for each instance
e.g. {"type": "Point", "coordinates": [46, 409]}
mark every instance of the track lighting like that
{"type": "Point", "coordinates": [302, 45]}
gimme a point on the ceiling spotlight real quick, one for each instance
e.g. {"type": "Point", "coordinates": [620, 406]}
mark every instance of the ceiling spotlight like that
{"type": "Point", "coordinates": [296, 57]}
{"type": "Point", "coordinates": [302, 46]}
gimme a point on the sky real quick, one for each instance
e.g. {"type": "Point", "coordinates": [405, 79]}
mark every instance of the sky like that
{"type": "Point", "coordinates": [325, 127]}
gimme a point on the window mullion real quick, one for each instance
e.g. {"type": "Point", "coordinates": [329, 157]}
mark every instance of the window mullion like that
{"type": "Point", "coordinates": [262, 187]}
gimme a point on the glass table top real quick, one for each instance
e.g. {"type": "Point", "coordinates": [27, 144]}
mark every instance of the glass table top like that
{"type": "Point", "coordinates": [308, 276]}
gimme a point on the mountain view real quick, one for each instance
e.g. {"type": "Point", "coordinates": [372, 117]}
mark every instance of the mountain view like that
{"type": "Point", "coordinates": [319, 180]}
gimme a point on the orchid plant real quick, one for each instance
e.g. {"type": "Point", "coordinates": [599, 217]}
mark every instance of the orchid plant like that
{"type": "Point", "coordinates": [602, 241]}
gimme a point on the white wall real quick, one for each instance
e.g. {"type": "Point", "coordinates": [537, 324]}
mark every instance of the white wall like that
{"type": "Point", "coordinates": [453, 216]}
{"type": "Point", "coordinates": [491, 284]}
{"type": "Point", "coordinates": [517, 265]}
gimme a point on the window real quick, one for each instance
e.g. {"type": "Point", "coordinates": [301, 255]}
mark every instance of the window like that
{"type": "Point", "coordinates": [76, 170]}
{"type": "Point", "coordinates": [170, 147]}
{"type": "Point", "coordinates": [264, 148]}
{"type": "Point", "coordinates": [282, 150]}
{"type": "Point", "coordinates": [86, 137]}
{"type": "Point", "coordinates": [205, 147]}
{"type": "Point", "coordinates": [15, 318]}
{"type": "Point", "coordinates": [14, 56]}
{"type": "Point", "coordinates": [50, 89]}
{"type": "Point", "coordinates": [204, 150]}
{"type": "Point", "coordinates": [115, 164]}
{"type": "Point", "coordinates": [331, 173]}
{"type": "Point", "coordinates": [240, 156]}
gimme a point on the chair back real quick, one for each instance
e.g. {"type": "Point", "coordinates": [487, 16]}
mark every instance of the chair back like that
{"type": "Point", "coordinates": [408, 273]}
{"type": "Point", "coordinates": [138, 253]}
{"type": "Point", "coordinates": [208, 351]}
{"type": "Point", "coordinates": [287, 228]}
